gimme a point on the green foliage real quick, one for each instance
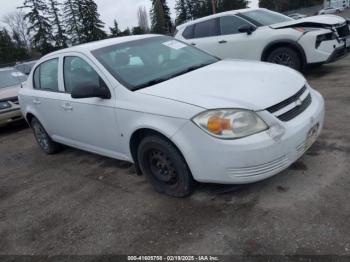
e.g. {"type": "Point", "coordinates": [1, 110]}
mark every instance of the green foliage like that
{"type": "Point", "coordinates": [11, 50]}
{"type": "Point", "coordinates": [92, 26]}
{"type": "Point", "coordinates": [286, 5]}
{"type": "Point", "coordinates": [72, 21]}
{"type": "Point", "coordinates": [40, 25]}
{"type": "Point", "coordinates": [115, 29]}
{"type": "Point", "coordinates": [137, 30]}
{"type": "Point", "coordinates": [192, 9]}
{"type": "Point", "coordinates": [160, 17]}
{"type": "Point", "coordinates": [55, 18]}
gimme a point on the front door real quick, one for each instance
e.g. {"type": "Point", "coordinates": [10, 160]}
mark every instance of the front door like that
{"type": "Point", "coordinates": [89, 123]}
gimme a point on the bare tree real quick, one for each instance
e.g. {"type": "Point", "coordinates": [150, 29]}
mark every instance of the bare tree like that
{"type": "Point", "coordinates": [18, 25]}
{"type": "Point", "coordinates": [143, 19]}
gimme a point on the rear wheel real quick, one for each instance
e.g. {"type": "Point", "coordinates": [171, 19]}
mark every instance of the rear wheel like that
{"type": "Point", "coordinates": [285, 56]}
{"type": "Point", "coordinates": [165, 167]}
{"type": "Point", "coordinates": [43, 139]}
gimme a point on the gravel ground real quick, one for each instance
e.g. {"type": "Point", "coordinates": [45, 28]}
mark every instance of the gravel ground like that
{"type": "Point", "coordinates": [80, 203]}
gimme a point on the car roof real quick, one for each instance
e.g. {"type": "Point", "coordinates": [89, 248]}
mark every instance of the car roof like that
{"type": "Point", "coordinates": [233, 12]}
{"type": "Point", "coordinates": [88, 47]}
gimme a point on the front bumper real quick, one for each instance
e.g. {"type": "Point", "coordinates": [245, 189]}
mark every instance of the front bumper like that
{"type": "Point", "coordinates": [339, 52]}
{"type": "Point", "coordinates": [327, 52]}
{"type": "Point", "coordinates": [252, 158]}
{"type": "Point", "coordinates": [10, 115]}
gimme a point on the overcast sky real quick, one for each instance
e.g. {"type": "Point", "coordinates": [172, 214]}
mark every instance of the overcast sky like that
{"type": "Point", "coordinates": [125, 11]}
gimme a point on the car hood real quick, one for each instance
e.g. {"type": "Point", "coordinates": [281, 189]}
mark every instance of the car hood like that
{"type": "Point", "coordinates": [8, 92]}
{"type": "Point", "coordinates": [312, 21]}
{"type": "Point", "coordinates": [231, 84]}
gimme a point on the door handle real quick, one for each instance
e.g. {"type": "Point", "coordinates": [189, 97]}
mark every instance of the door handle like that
{"type": "Point", "coordinates": [222, 42]}
{"type": "Point", "coordinates": [193, 44]}
{"type": "Point", "coordinates": [36, 101]}
{"type": "Point", "coordinates": [67, 107]}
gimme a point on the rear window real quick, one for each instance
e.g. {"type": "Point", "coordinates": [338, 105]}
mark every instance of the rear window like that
{"type": "Point", "coordinates": [206, 29]}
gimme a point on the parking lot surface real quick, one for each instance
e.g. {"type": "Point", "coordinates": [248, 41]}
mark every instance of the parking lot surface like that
{"type": "Point", "coordinates": [81, 203]}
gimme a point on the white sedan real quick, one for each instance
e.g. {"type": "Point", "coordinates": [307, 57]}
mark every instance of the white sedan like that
{"type": "Point", "coordinates": [179, 114]}
{"type": "Point", "coordinates": [329, 10]}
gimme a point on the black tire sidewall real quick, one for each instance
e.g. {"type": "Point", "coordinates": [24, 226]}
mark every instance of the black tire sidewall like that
{"type": "Point", "coordinates": [52, 146]}
{"type": "Point", "coordinates": [293, 54]}
{"type": "Point", "coordinates": [184, 186]}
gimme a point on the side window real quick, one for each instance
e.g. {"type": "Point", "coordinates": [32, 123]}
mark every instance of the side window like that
{"type": "Point", "coordinates": [206, 29]}
{"type": "Point", "coordinates": [77, 72]}
{"type": "Point", "coordinates": [229, 25]}
{"type": "Point", "coordinates": [188, 32]}
{"type": "Point", "coordinates": [46, 76]}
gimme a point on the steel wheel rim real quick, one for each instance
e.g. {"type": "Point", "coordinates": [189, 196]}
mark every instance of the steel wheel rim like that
{"type": "Point", "coordinates": [41, 137]}
{"type": "Point", "coordinates": [161, 167]}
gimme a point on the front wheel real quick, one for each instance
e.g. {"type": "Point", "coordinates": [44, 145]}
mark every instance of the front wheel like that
{"type": "Point", "coordinates": [165, 167]}
{"type": "Point", "coordinates": [285, 56]}
{"type": "Point", "coordinates": [43, 139]}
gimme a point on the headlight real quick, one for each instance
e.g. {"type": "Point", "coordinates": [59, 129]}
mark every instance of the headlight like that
{"type": "Point", "coordinates": [325, 37]}
{"type": "Point", "coordinates": [4, 105]}
{"type": "Point", "coordinates": [230, 123]}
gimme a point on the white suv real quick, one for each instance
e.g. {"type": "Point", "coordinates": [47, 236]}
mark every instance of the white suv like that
{"type": "Point", "coordinates": [260, 34]}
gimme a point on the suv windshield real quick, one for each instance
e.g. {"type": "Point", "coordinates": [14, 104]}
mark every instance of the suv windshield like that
{"type": "Point", "coordinates": [11, 78]}
{"type": "Point", "coordinates": [141, 63]}
{"type": "Point", "coordinates": [264, 17]}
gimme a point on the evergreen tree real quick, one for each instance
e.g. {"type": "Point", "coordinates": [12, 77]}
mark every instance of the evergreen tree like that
{"type": "Point", "coordinates": [160, 17]}
{"type": "Point", "coordinates": [92, 26]}
{"type": "Point", "coordinates": [285, 5]}
{"type": "Point", "coordinates": [40, 25]}
{"type": "Point", "coordinates": [55, 16]}
{"type": "Point", "coordinates": [182, 12]}
{"type": "Point", "coordinates": [11, 50]}
{"type": "Point", "coordinates": [115, 29]}
{"type": "Point", "coordinates": [126, 32]}
{"type": "Point", "coordinates": [73, 21]}
{"type": "Point", "coordinates": [137, 30]}
{"type": "Point", "coordinates": [228, 5]}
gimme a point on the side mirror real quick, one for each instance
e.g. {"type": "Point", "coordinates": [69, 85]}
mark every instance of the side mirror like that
{"type": "Point", "coordinates": [89, 90]}
{"type": "Point", "coordinates": [249, 29]}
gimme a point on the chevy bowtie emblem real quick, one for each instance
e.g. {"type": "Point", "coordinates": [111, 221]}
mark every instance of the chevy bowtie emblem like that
{"type": "Point", "coordinates": [298, 102]}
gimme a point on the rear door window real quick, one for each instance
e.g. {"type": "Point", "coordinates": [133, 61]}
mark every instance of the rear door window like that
{"type": "Point", "coordinates": [206, 29]}
{"type": "Point", "coordinates": [46, 76]}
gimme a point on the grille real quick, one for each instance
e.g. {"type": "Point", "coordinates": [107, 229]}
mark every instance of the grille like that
{"type": "Point", "coordinates": [293, 106]}
{"type": "Point", "coordinates": [13, 100]}
{"type": "Point", "coordinates": [343, 31]}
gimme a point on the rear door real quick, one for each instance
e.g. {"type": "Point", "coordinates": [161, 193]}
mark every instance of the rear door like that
{"type": "Point", "coordinates": [205, 36]}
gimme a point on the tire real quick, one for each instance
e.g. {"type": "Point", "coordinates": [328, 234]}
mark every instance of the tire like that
{"type": "Point", "coordinates": [285, 56]}
{"type": "Point", "coordinates": [43, 139]}
{"type": "Point", "coordinates": [165, 167]}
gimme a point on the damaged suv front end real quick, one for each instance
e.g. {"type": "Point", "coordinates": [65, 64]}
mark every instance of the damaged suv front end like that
{"type": "Point", "coordinates": [325, 39]}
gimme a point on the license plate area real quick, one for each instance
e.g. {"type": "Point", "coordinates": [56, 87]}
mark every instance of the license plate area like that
{"type": "Point", "coordinates": [311, 136]}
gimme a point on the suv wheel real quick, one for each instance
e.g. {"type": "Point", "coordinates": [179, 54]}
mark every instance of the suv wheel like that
{"type": "Point", "coordinates": [165, 167]}
{"type": "Point", "coordinates": [43, 139]}
{"type": "Point", "coordinates": [285, 56]}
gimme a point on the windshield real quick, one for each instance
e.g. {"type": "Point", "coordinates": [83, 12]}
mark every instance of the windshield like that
{"type": "Point", "coordinates": [265, 17]}
{"type": "Point", "coordinates": [141, 63]}
{"type": "Point", "coordinates": [11, 78]}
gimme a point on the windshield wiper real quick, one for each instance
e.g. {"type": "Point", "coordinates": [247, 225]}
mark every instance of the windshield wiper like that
{"type": "Point", "coordinates": [163, 79]}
